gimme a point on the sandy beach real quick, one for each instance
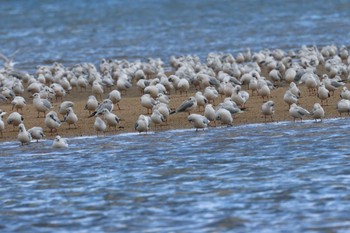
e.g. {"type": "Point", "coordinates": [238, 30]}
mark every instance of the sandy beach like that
{"type": "Point", "coordinates": [131, 109]}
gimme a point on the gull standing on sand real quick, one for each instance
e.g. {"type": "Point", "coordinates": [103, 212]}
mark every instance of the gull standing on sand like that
{"type": "Point", "coordinates": [91, 104]}
{"type": "Point", "coordinates": [157, 118]}
{"type": "Point", "coordinates": [198, 121]}
{"type": "Point", "coordinates": [23, 136]}
{"type": "Point", "coordinates": [331, 84]}
{"type": "Point", "coordinates": [298, 112]}
{"type": "Point", "coordinates": [52, 121]}
{"type": "Point", "coordinates": [294, 89]}
{"type": "Point", "coordinates": [317, 112]}
{"type": "Point", "coordinates": [107, 103]}
{"type": "Point", "coordinates": [18, 103]}
{"type": "Point", "coordinates": [343, 106]}
{"type": "Point", "coordinates": [239, 97]}
{"type": "Point", "coordinates": [70, 118]}
{"type": "Point", "coordinates": [37, 133]}
{"type": "Point", "coordinates": [15, 119]}
{"type": "Point", "coordinates": [143, 123]}
{"type": "Point", "coordinates": [62, 109]}
{"type": "Point", "coordinates": [147, 102]}
{"type": "Point", "coordinates": [187, 106]}
{"type": "Point", "coordinates": [115, 97]}
{"type": "Point", "coordinates": [224, 116]}
{"type": "Point", "coordinates": [229, 105]}
{"type": "Point", "coordinates": [201, 100]}
{"type": "Point", "coordinates": [111, 119]}
{"type": "Point", "coordinates": [268, 109]}
{"type": "Point", "coordinates": [323, 93]}
{"type": "Point", "coordinates": [97, 89]}
{"type": "Point", "coordinates": [163, 109]}
{"type": "Point", "coordinates": [41, 105]}
{"type": "Point", "coordinates": [345, 94]}
{"type": "Point", "coordinates": [264, 90]}
{"type": "Point", "coordinates": [210, 113]}
{"type": "Point", "coordinates": [59, 91]}
{"type": "Point", "coordinates": [289, 98]}
{"type": "Point", "coordinates": [99, 125]}
{"type": "Point", "coordinates": [2, 124]}
{"type": "Point", "coordinates": [211, 94]}
{"type": "Point", "coordinates": [59, 142]}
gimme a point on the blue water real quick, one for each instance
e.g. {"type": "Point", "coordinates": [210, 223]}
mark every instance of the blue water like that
{"type": "Point", "coordinates": [86, 31]}
{"type": "Point", "coordinates": [278, 177]}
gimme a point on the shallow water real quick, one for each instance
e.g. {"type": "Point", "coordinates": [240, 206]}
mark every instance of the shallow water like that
{"type": "Point", "coordinates": [79, 31]}
{"type": "Point", "coordinates": [279, 177]}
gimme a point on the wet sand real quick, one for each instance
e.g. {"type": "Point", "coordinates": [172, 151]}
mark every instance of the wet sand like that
{"type": "Point", "coordinates": [131, 108]}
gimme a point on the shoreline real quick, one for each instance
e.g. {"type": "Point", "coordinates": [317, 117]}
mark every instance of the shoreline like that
{"type": "Point", "coordinates": [131, 106]}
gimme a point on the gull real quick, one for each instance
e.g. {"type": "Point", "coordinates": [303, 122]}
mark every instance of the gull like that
{"type": "Point", "coordinates": [37, 133]}
{"type": "Point", "coordinates": [8, 93]}
{"type": "Point", "coordinates": [106, 103]}
{"type": "Point", "coordinates": [115, 97]}
{"type": "Point", "coordinates": [239, 97]}
{"type": "Point", "coordinates": [91, 104]}
{"type": "Point", "coordinates": [143, 123]}
{"type": "Point", "coordinates": [294, 89]}
{"type": "Point", "coordinates": [18, 102]}
{"type": "Point", "coordinates": [52, 121]}
{"type": "Point", "coordinates": [323, 93]}
{"type": "Point", "coordinates": [148, 102]}
{"type": "Point", "coordinates": [298, 112]}
{"type": "Point", "coordinates": [290, 74]}
{"type": "Point", "coordinates": [59, 142]}
{"type": "Point", "coordinates": [111, 119]}
{"type": "Point", "coordinates": [2, 124]}
{"type": "Point", "coordinates": [317, 112]}
{"type": "Point", "coordinates": [229, 105]}
{"type": "Point", "coordinates": [23, 136]}
{"type": "Point", "coordinates": [163, 98]}
{"type": "Point", "coordinates": [343, 106]}
{"type": "Point", "coordinates": [345, 94]}
{"type": "Point", "coordinates": [157, 118]}
{"type": "Point", "coordinates": [59, 91]}
{"type": "Point", "coordinates": [3, 99]}
{"type": "Point", "coordinates": [163, 109]}
{"type": "Point", "coordinates": [41, 105]}
{"type": "Point", "coordinates": [210, 113]}
{"type": "Point", "coordinates": [198, 121]}
{"type": "Point", "coordinates": [99, 125]}
{"type": "Point", "coordinates": [97, 89]}
{"type": "Point", "coordinates": [82, 82]}
{"type": "Point", "coordinates": [224, 116]}
{"type": "Point", "coordinates": [275, 75]}
{"type": "Point", "coordinates": [290, 98]}
{"type": "Point", "coordinates": [62, 109]}
{"type": "Point", "coordinates": [70, 117]}
{"type": "Point", "coordinates": [201, 99]}
{"type": "Point", "coordinates": [183, 85]}
{"type": "Point", "coordinates": [123, 83]}
{"type": "Point", "coordinates": [331, 84]}
{"type": "Point", "coordinates": [152, 90]}
{"type": "Point", "coordinates": [186, 106]}
{"type": "Point", "coordinates": [264, 91]}
{"type": "Point", "coordinates": [211, 94]}
{"type": "Point", "coordinates": [15, 119]}
{"type": "Point", "coordinates": [253, 85]}
{"type": "Point", "coordinates": [311, 81]}
{"type": "Point", "coordinates": [268, 109]}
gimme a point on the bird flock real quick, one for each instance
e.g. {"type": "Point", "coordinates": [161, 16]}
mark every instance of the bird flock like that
{"type": "Point", "coordinates": [214, 91]}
